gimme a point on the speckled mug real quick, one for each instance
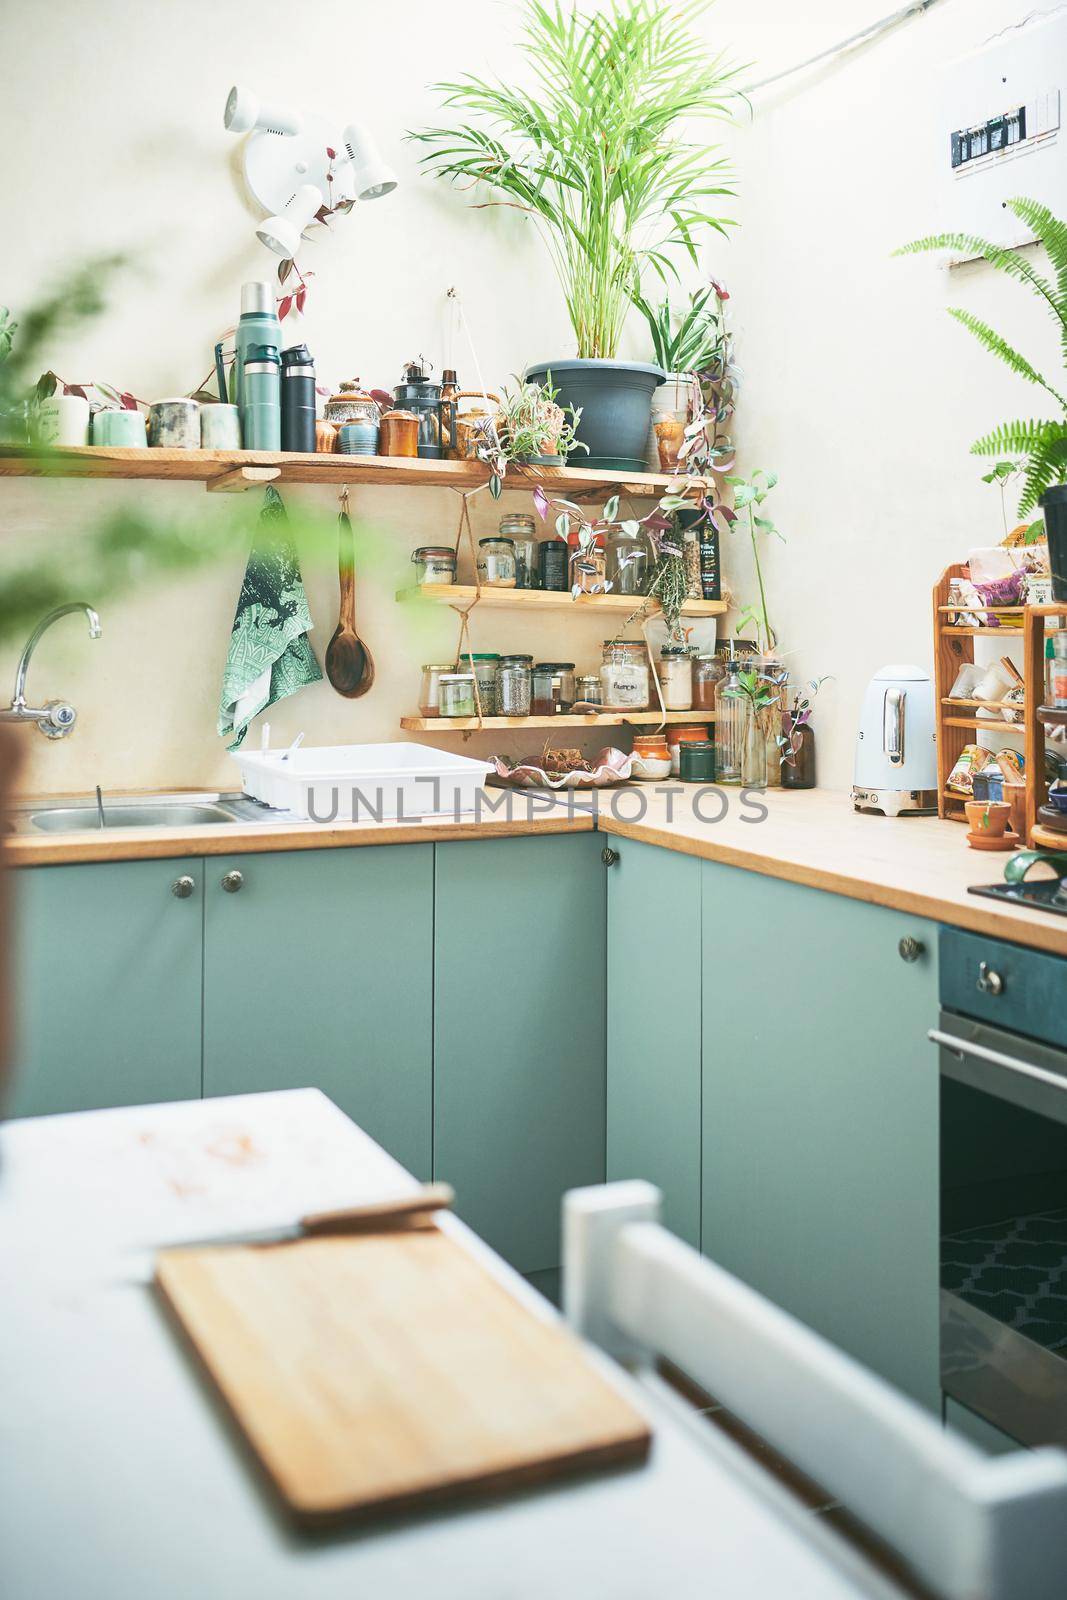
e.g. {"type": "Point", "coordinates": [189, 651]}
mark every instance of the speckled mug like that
{"type": "Point", "coordinates": [174, 425]}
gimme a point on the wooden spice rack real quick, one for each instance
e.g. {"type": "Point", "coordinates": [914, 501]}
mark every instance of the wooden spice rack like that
{"type": "Point", "coordinates": [1036, 622]}
{"type": "Point", "coordinates": [537, 600]}
{"type": "Point", "coordinates": [958, 721]}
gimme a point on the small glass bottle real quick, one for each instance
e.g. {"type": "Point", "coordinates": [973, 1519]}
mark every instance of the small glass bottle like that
{"type": "Point", "coordinates": [429, 693]}
{"type": "Point", "coordinates": [731, 724]}
{"type": "Point", "coordinates": [587, 689]}
{"type": "Point", "coordinates": [520, 530]}
{"type": "Point", "coordinates": [674, 669]}
{"type": "Point", "coordinates": [799, 771]}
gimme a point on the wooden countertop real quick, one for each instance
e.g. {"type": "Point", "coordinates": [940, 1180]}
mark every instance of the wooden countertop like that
{"type": "Point", "coordinates": [529, 812]}
{"type": "Point", "coordinates": [916, 864]}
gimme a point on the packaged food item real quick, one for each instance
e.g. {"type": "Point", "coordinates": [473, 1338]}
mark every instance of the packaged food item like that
{"type": "Point", "coordinates": [1011, 765]}
{"type": "Point", "coordinates": [971, 759]}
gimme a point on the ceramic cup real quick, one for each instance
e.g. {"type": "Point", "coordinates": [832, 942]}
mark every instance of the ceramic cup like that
{"type": "Point", "coordinates": [220, 428]}
{"type": "Point", "coordinates": [63, 419]}
{"type": "Point", "coordinates": [357, 439]}
{"type": "Point", "coordinates": [174, 424]}
{"type": "Point", "coordinates": [126, 429]}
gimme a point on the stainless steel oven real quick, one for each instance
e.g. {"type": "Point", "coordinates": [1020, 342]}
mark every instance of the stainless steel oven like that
{"type": "Point", "coordinates": [1002, 1041]}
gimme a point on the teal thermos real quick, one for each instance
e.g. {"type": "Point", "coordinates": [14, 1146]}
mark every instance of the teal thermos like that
{"type": "Point", "coordinates": [258, 325]}
{"type": "Point", "coordinates": [261, 399]}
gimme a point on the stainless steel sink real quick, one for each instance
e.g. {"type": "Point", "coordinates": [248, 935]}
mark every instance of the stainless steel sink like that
{"type": "Point", "coordinates": [155, 811]}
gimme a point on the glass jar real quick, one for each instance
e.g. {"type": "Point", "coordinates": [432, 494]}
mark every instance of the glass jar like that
{"type": "Point", "coordinates": [798, 770]}
{"type": "Point", "coordinates": [624, 675]}
{"type": "Point", "coordinates": [753, 751]}
{"type": "Point", "coordinates": [513, 686]}
{"type": "Point", "coordinates": [429, 693]}
{"type": "Point", "coordinates": [552, 564]}
{"type": "Point", "coordinates": [732, 708]}
{"type": "Point", "coordinates": [552, 688]}
{"type": "Point", "coordinates": [434, 563]}
{"type": "Point", "coordinates": [456, 694]}
{"type": "Point", "coordinates": [708, 673]}
{"type": "Point", "coordinates": [696, 761]}
{"type": "Point", "coordinates": [496, 562]}
{"type": "Point", "coordinates": [684, 733]}
{"type": "Point", "coordinates": [588, 563]}
{"type": "Point", "coordinates": [770, 721]}
{"type": "Point", "coordinates": [587, 688]}
{"type": "Point", "coordinates": [674, 669]}
{"type": "Point", "coordinates": [627, 559]}
{"type": "Point", "coordinates": [485, 664]}
{"type": "Point", "coordinates": [520, 530]}
{"type": "Point", "coordinates": [651, 758]}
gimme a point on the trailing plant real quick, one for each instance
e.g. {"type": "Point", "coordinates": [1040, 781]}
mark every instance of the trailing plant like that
{"type": "Point", "coordinates": [1041, 443]}
{"type": "Point", "coordinates": [593, 152]}
{"type": "Point", "coordinates": [796, 717]}
{"type": "Point", "coordinates": [530, 423]}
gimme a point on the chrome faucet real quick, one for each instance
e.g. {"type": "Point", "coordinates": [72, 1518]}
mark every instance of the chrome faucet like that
{"type": "Point", "coordinates": [56, 718]}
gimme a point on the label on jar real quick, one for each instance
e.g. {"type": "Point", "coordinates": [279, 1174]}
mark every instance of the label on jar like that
{"type": "Point", "coordinates": [497, 568]}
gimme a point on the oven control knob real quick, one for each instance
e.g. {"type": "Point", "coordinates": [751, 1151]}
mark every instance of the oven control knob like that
{"type": "Point", "coordinates": [989, 982]}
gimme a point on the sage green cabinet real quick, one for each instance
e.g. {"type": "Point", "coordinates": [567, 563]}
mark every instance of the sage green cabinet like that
{"type": "Point", "coordinates": [317, 971]}
{"type": "Point", "coordinates": [107, 981]}
{"type": "Point", "coordinates": [519, 993]}
{"type": "Point", "coordinates": [820, 1115]}
{"type": "Point", "coordinates": [653, 1034]}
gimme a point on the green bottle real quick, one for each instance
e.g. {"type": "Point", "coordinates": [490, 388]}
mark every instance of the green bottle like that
{"type": "Point", "coordinates": [258, 325]}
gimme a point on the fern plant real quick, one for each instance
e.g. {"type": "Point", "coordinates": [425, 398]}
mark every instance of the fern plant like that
{"type": "Point", "coordinates": [1040, 444]}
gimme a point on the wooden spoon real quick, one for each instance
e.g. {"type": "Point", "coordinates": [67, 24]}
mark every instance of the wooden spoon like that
{"type": "Point", "coordinates": [348, 661]}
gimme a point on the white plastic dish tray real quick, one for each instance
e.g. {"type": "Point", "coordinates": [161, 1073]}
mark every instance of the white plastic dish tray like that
{"type": "Point", "coordinates": [363, 782]}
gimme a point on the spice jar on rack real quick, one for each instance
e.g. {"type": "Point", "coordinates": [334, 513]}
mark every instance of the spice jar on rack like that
{"type": "Point", "coordinates": [708, 673]}
{"type": "Point", "coordinates": [456, 694]}
{"type": "Point", "coordinates": [496, 562]}
{"type": "Point", "coordinates": [485, 664]}
{"type": "Point", "coordinates": [552, 564]}
{"type": "Point", "coordinates": [588, 563]}
{"type": "Point", "coordinates": [552, 688]}
{"type": "Point", "coordinates": [674, 670]}
{"type": "Point", "coordinates": [429, 693]}
{"type": "Point", "coordinates": [627, 559]}
{"type": "Point", "coordinates": [624, 675]}
{"type": "Point", "coordinates": [587, 690]}
{"type": "Point", "coordinates": [520, 530]}
{"type": "Point", "coordinates": [434, 563]}
{"type": "Point", "coordinates": [513, 686]}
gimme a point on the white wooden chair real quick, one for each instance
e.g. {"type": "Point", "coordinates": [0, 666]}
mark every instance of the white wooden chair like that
{"type": "Point", "coordinates": [968, 1526]}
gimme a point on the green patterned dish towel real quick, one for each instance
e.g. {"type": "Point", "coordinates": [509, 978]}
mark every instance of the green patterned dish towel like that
{"type": "Point", "coordinates": [269, 656]}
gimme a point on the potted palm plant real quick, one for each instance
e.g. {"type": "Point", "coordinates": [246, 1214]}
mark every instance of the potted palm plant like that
{"type": "Point", "coordinates": [593, 152]}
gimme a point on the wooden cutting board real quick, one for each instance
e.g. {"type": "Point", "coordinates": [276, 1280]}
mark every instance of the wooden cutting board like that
{"type": "Point", "coordinates": [387, 1370]}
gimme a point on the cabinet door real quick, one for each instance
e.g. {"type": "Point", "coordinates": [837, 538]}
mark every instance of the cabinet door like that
{"type": "Point", "coordinates": [317, 971]}
{"type": "Point", "coordinates": [654, 1027]}
{"type": "Point", "coordinates": [820, 1115]}
{"type": "Point", "coordinates": [519, 1034]}
{"type": "Point", "coordinates": [108, 985]}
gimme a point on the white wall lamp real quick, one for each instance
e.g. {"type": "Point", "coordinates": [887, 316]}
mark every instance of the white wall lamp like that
{"type": "Point", "coordinates": [292, 160]}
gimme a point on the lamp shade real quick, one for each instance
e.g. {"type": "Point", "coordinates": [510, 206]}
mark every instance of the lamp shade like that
{"type": "Point", "coordinates": [282, 233]}
{"type": "Point", "coordinates": [246, 113]}
{"type": "Point", "coordinates": [371, 176]}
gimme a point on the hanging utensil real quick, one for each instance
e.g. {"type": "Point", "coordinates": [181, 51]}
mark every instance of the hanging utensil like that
{"type": "Point", "coordinates": [348, 662]}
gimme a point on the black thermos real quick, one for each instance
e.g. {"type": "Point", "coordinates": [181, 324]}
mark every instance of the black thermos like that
{"type": "Point", "coordinates": [298, 399]}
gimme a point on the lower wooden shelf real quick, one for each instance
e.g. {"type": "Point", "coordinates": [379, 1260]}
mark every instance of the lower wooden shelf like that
{"type": "Point", "coordinates": [537, 600]}
{"type": "Point", "coordinates": [980, 723]}
{"type": "Point", "coordinates": [606, 719]}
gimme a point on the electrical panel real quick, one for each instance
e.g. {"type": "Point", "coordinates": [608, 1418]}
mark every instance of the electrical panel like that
{"type": "Point", "coordinates": [1002, 130]}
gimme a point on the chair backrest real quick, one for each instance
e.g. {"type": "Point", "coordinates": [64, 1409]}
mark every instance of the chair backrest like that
{"type": "Point", "coordinates": [970, 1527]}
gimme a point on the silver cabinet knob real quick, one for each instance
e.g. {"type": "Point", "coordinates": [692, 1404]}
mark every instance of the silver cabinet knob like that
{"type": "Point", "coordinates": [183, 887]}
{"type": "Point", "coordinates": [609, 856]}
{"type": "Point", "coordinates": [989, 982]}
{"type": "Point", "coordinates": [911, 949]}
{"type": "Point", "coordinates": [232, 881]}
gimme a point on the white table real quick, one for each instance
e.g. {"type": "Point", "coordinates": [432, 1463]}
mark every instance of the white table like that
{"type": "Point", "coordinates": [120, 1479]}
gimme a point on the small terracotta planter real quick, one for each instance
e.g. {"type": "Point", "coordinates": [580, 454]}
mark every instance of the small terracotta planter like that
{"type": "Point", "coordinates": [988, 818]}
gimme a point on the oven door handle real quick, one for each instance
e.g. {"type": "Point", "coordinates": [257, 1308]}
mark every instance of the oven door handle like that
{"type": "Point", "coordinates": [995, 1058]}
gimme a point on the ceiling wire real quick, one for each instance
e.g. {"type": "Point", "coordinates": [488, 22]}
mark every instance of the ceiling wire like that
{"type": "Point", "coordinates": [865, 36]}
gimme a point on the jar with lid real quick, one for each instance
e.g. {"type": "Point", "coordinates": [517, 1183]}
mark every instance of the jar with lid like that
{"type": "Point", "coordinates": [587, 689]}
{"type": "Point", "coordinates": [485, 664]}
{"type": "Point", "coordinates": [434, 563]}
{"type": "Point", "coordinates": [552, 688]}
{"type": "Point", "coordinates": [674, 669]}
{"type": "Point", "coordinates": [520, 530]}
{"type": "Point", "coordinates": [429, 693]}
{"type": "Point", "coordinates": [496, 562]}
{"type": "Point", "coordinates": [552, 564]}
{"type": "Point", "coordinates": [588, 563]}
{"type": "Point", "coordinates": [398, 434]}
{"type": "Point", "coordinates": [681, 733]}
{"type": "Point", "coordinates": [513, 686]}
{"type": "Point", "coordinates": [696, 761]}
{"type": "Point", "coordinates": [627, 558]}
{"type": "Point", "coordinates": [708, 673]}
{"type": "Point", "coordinates": [456, 694]}
{"type": "Point", "coordinates": [624, 675]}
{"type": "Point", "coordinates": [352, 403]}
{"type": "Point", "coordinates": [651, 758]}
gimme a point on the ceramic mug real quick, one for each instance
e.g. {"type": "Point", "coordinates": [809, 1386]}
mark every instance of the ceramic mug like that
{"type": "Point", "coordinates": [174, 424]}
{"type": "Point", "coordinates": [63, 419]}
{"type": "Point", "coordinates": [125, 429]}
{"type": "Point", "coordinates": [220, 428]}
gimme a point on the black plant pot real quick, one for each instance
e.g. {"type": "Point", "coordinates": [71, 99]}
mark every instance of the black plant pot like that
{"type": "Point", "coordinates": [615, 398]}
{"type": "Point", "coordinates": [1054, 505]}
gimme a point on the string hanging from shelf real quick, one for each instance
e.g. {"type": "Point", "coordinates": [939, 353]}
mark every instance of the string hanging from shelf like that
{"type": "Point", "coordinates": [464, 612]}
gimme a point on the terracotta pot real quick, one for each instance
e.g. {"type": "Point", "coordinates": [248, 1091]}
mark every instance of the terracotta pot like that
{"type": "Point", "coordinates": [988, 817]}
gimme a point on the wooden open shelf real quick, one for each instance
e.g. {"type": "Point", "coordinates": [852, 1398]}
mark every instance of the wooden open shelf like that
{"type": "Point", "coordinates": [607, 719]}
{"type": "Point", "coordinates": [230, 470]}
{"type": "Point", "coordinates": [538, 600]}
{"type": "Point", "coordinates": [981, 633]}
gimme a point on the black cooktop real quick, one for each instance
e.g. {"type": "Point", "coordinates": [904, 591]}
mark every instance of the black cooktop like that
{"type": "Point", "coordinates": [1043, 894]}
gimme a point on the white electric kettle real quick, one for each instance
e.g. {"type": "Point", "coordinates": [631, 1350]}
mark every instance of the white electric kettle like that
{"type": "Point", "coordinates": [896, 748]}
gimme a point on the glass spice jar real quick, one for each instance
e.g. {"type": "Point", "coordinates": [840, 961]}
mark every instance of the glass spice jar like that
{"type": "Point", "coordinates": [429, 692]}
{"type": "Point", "coordinates": [485, 664]}
{"type": "Point", "coordinates": [513, 686]}
{"type": "Point", "coordinates": [496, 562]}
{"type": "Point", "coordinates": [624, 675]}
{"type": "Point", "coordinates": [434, 563]}
{"type": "Point", "coordinates": [552, 688]}
{"type": "Point", "coordinates": [588, 563]}
{"type": "Point", "coordinates": [456, 694]}
{"type": "Point", "coordinates": [587, 688]}
{"type": "Point", "coordinates": [708, 673]}
{"type": "Point", "coordinates": [552, 564]}
{"type": "Point", "coordinates": [674, 669]}
{"type": "Point", "coordinates": [520, 530]}
{"type": "Point", "coordinates": [627, 559]}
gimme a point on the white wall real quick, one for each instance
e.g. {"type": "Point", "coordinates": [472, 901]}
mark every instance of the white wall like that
{"type": "Point", "coordinates": [859, 390]}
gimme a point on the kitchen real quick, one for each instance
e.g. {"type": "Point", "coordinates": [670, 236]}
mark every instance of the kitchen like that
{"type": "Point", "coordinates": [645, 957]}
